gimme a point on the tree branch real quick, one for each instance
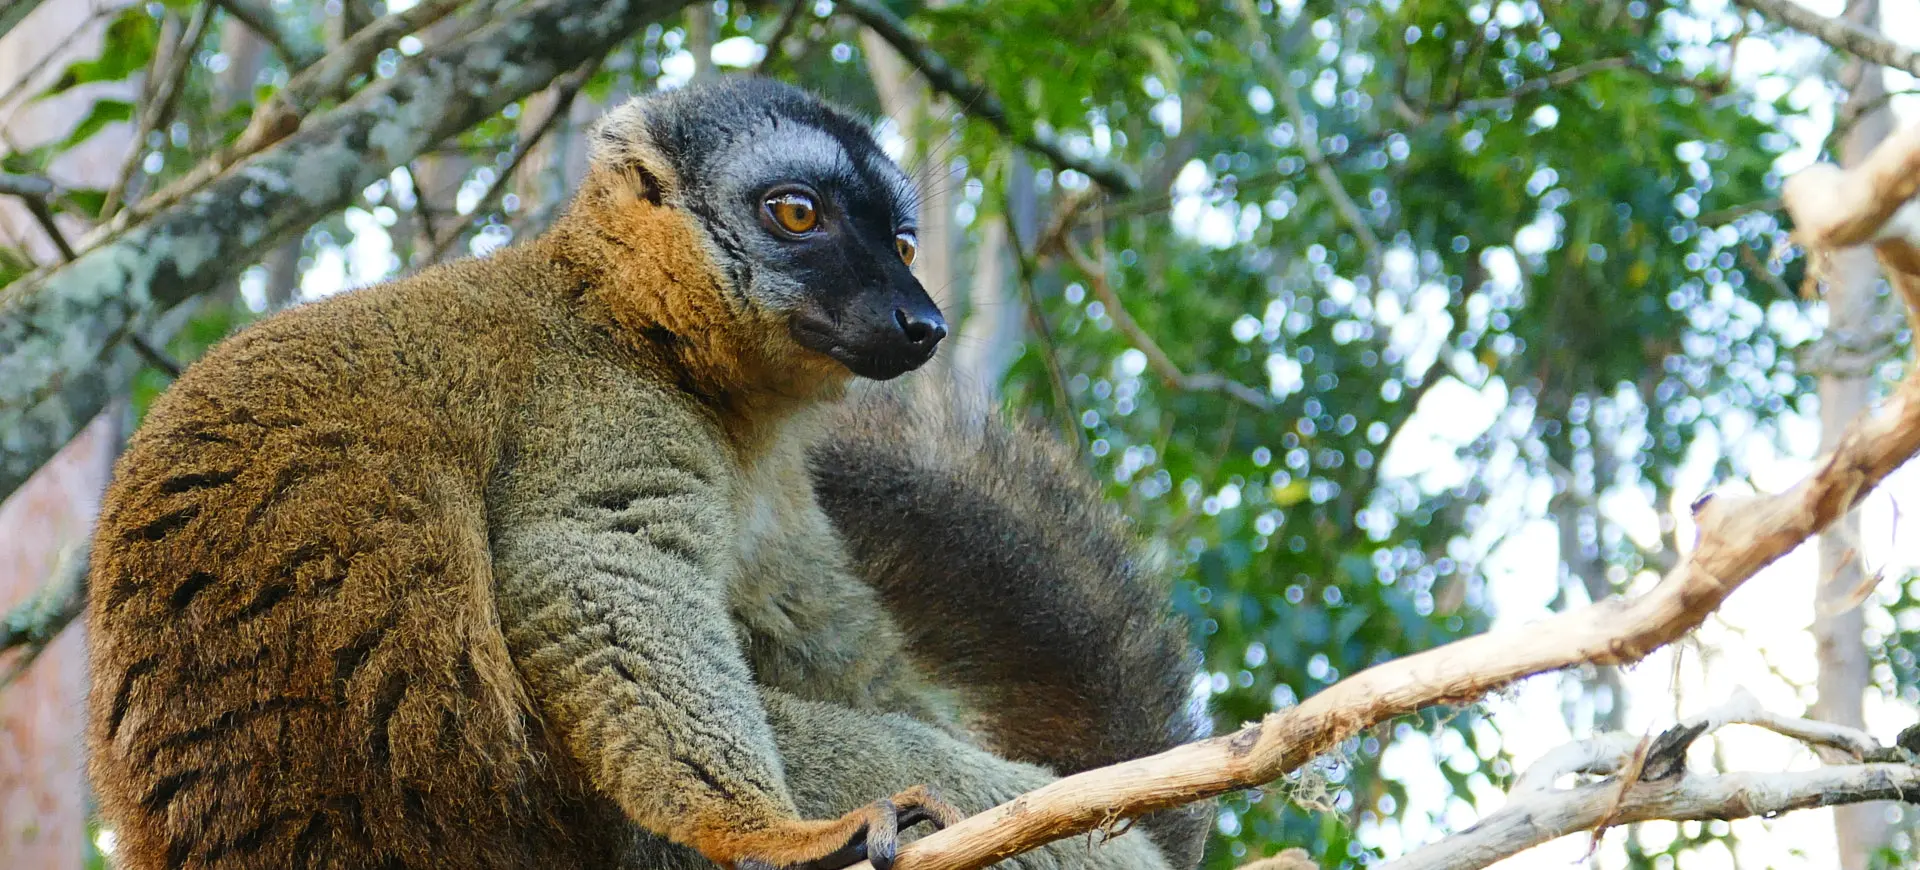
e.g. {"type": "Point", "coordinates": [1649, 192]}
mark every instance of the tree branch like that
{"type": "Point", "coordinates": [1025, 270]}
{"type": "Point", "coordinates": [566, 88]}
{"type": "Point", "coordinates": [781, 30]}
{"type": "Point", "coordinates": [1738, 538]}
{"type": "Point", "coordinates": [1307, 133]}
{"type": "Point", "coordinates": [296, 52]}
{"type": "Point", "coordinates": [975, 99]}
{"type": "Point", "coordinates": [1838, 208]}
{"type": "Point", "coordinates": [164, 95]}
{"type": "Point", "coordinates": [1157, 359]}
{"type": "Point", "coordinates": [1869, 203]}
{"type": "Point", "coordinates": [281, 114]}
{"type": "Point", "coordinates": [35, 622]}
{"type": "Point", "coordinates": [12, 11]}
{"type": "Point", "coordinates": [1537, 811]}
{"type": "Point", "coordinates": [1839, 33]}
{"type": "Point", "coordinates": [36, 192]}
{"type": "Point", "coordinates": [56, 327]}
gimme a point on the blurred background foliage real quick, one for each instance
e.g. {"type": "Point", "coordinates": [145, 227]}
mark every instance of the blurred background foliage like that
{"type": "Point", "coordinates": [1403, 280]}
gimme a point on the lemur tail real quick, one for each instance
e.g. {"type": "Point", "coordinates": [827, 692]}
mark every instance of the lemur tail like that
{"type": "Point", "coordinates": [1016, 585]}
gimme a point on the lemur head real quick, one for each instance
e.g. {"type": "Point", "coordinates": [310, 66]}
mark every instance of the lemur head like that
{"type": "Point", "coordinates": [805, 226]}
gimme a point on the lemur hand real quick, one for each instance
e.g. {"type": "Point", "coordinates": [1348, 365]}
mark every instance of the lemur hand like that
{"type": "Point", "coordinates": [870, 833]}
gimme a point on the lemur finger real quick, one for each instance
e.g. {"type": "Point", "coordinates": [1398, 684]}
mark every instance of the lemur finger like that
{"type": "Point", "coordinates": [883, 834]}
{"type": "Point", "coordinates": [852, 852]}
{"type": "Point", "coordinates": [923, 803]}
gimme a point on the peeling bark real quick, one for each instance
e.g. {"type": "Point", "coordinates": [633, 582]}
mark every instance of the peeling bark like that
{"type": "Point", "coordinates": [55, 330]}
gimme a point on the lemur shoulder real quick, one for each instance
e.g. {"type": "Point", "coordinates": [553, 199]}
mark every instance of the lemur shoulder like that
{"type": "Point", "coordinates": [572, 556]}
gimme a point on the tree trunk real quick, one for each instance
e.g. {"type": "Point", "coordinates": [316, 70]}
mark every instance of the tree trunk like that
{"type": "Point", "coordinates": [1839, 625]}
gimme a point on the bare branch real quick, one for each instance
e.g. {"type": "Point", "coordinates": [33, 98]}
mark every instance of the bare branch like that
{"type": "Point", "coordinates": [1157, 359]}
{"type": "Point", "coordinates": [36, 192]}
{"type": "Point", "coordinates": [295, 51]}
{"type": "Point", "coordinates": [279, 116]}
{"type": "Point", "coordinates": [1869, 203]}
{"type": "Point", "coordinates": [57, 327]}
{"type": "Point", "coordinates": [1524, 824]}
{"type": "Point", "coordinates": [1738, 538]}
{"type": "Point", "coordinates": [1024, 269]}
{"type": "Point", "coordinates": [13, 11]}
{"type": "Point", "coordinates": [35, 622]}
{"type": "Point", "coordinates": [1557, 79]}
{"type": "Point", "coordinates": [26, 186]}
{"type": "Point", "coordinates": [165, 94]}
{"type": "Point", "coordinates": [44, 217]}
{"type": "Point", "coordinates": [975, 99]}
{"type": "Point", "coordinates": [788, 18]}
{"type": "Point", "coordinates": [1839, 33]}
{"type": "Point", "coordinates": [1837, 208]}
{"type": "Point", "coordinates": [1537, 811]}
{"type": "Point", "coordinates": [1306, 132]}
{"type": "Point", "coordinates": [566, 88]}
{"type": "Point", "coordinates": [1290, 859]}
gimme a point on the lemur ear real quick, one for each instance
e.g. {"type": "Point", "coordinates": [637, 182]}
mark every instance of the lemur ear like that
{"type": "Point", "coordinates": [621, 146]}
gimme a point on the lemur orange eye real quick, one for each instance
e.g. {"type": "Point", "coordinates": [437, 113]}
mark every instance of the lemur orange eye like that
{"type": "Point", "coordinates": [793, 212]}
{"type": "Point", "coordinates": [907, 244]}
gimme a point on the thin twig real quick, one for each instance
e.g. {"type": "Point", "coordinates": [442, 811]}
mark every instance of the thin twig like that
{"type": "Point", "coordinates": [566, 88]}
{"type": "Point", "coordinates": [297, 53]}
{"type": "Point", "coordinates": [1306, 132]}
{"type": "Point", "coordinates": [159, 108]}
{"type": "Point", "coordinates": [1025, 267]}
{"type": "Point", "coordinates": [976, 99]}
{"type": "Point", "coordinates": [154, 356]}
{"type": "Point", "coordinates": [1557, 79]}
{"type": "Point", "coordinates": [1157, 359]}
{"type": "Point", "coordinates": [79, 30]}
{"type": "Point", "coordinates": [12, 11]}
{"type": "Point", "coordinates": [423, 212]}
{"type": "Point", "coordinates": [788, 19]}
{"type": "Point", "coordinates": [278, 116]}
{"type": "Point", "coordinates": [1647, 779]}
{"type": "Point", "coordinates": [1838, 33]}
{"type": "Point", "coordinates": [44, 217]}
{"type": "Point", "coordinates": [36, 193]}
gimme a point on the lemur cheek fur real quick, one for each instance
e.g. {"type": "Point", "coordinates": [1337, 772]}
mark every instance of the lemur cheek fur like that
{"type": "Point", "coordinates": [566, 557]}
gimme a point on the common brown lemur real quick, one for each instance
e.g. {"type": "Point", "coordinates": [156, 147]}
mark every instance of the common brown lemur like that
{"type": "Point", "coordinates": [574, 555]}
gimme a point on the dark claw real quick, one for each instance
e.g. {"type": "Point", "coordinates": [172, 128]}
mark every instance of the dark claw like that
{"type": "Point", "coordinates": [877, 842]}
{"type": "Point", "coordinates": [848, 855]}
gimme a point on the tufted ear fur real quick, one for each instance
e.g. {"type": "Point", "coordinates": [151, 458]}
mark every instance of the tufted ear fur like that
{"type": "Point", "coordinates": [621, 146]}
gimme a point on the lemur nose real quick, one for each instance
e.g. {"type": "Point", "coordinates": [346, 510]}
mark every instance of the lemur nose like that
{"type": "Point", "coordinates": [920, 329]}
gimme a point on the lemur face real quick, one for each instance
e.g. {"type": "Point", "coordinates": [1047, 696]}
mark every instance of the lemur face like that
{"type": "Point", "coordinates": [804, 214]}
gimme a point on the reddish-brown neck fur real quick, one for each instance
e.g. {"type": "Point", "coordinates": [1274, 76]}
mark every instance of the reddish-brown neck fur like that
{"type": "Point", "coordinates": [646, 269]}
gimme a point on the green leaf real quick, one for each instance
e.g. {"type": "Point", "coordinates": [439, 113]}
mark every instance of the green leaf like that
{"type": "Point", "coordinates": [83, 201]}
{"type": "Point", "coordinates": [13, 264]}
{"type": "Point", "coordinates": [104, 112]}
{"type": "Point", "coordinates": [127, 47]}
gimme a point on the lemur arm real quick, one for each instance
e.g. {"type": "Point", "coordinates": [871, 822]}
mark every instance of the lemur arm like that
{"type": "Point", "coordinates": [1015, 584]}
{"type": "Point", "coordinates": [834, 755]}
{"type": "Point", "coordinates": [608, 567]}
